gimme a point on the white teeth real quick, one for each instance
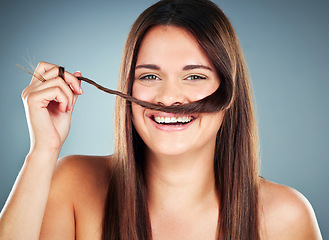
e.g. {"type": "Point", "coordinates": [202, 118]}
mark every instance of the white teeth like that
{"type": "Point", "coordinates": [172, 119]}
{"type": "Point", "coordinates": [157, 119]}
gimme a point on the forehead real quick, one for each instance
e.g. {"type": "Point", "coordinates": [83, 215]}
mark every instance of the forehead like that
{"type": "Point", "coordinates": [171, 43]}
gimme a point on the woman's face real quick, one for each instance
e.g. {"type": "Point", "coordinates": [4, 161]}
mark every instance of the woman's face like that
{"type": "Point", "coordinates": [173, 69]}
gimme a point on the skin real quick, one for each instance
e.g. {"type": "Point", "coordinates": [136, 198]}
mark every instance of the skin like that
{"type": "Point", "coordinates": [179, 161]}
{"type": "Point", "coordinates": [64, 199]}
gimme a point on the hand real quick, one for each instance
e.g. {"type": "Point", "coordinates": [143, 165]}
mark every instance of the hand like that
{"type": "Point", "coordinates": [48, 106]}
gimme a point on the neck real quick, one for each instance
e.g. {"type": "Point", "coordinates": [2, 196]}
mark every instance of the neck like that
{"type": "Point", "coordinates": [181, 182]}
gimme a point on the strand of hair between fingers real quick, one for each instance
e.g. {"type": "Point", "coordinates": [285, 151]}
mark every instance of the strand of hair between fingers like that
{"type": "Point", "coordinates": [205, 105]}
{"type": "Point", "coordinates": [36, 75]}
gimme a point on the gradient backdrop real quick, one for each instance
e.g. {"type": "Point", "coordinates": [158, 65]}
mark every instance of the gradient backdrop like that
{"type": "Point", "coordinates": [286, 48]}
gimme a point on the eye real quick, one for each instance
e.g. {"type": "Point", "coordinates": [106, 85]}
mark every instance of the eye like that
{"type": "Point", "coordinates": [149, 77]}
{"type": "Point", "coordinates": [196, 77]}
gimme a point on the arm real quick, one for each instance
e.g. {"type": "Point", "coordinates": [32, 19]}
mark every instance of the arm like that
{"type": "Point", "coordinates": [59, 217]}
{"type": "Point", "coordinates": [49, 123]}
{"type": "Point", "coordinates": [22, 215]}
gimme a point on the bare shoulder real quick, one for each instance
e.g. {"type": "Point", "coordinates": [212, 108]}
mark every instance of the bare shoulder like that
{"type": "Point", "coordinates": [84, 175]}
{"type": "Point", "coordinates": [83, 168]}
{"type": "Point", "coordinates": [76, 198]}
{"type": "Point", "coordinates": [286, 213]}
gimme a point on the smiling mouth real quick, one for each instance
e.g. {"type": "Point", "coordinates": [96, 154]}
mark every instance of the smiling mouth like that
{"type": "Point", "coordinates": [173, 121]}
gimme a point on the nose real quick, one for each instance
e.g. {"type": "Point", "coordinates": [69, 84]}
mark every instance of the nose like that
{"type": "Point", "coordinates": [170, 94]}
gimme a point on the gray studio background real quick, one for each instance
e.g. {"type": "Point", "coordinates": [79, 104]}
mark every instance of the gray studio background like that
{"type": "Point", "coordinates": [285, 44]}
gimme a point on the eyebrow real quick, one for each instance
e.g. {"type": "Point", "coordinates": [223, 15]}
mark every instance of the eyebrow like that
{"type": "Point", "coordinates": [187, 67]}
{"type": "Point", "coordinates": [148, 66]}
{"type": "Point", "coordinates": [191, 67]}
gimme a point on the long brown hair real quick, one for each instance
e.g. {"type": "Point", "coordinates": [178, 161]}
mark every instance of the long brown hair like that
{"type": "Point", "coordinates": [236, 156]}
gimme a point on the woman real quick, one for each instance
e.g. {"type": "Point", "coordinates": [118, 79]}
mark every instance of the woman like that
{"type": "Point", "coordinates": [191, 175]}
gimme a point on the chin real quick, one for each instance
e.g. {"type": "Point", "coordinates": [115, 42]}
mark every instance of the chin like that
{"type": "Point", "coordinates": [171, 149]}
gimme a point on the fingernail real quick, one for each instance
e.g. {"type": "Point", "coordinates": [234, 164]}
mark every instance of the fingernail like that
{"type": "Point", "coordinates": [70, 107]}
{"type": "Point", "coordinates": [80, 89]}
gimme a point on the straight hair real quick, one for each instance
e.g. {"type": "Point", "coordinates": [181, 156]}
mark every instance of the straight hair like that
{"type": "Point", "coordinates": [126, 213]}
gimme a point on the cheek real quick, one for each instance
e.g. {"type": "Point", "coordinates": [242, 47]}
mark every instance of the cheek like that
{"type": "Point", "coordinates": [139, 120]}
{"type": "Point", "coordinates": [137, 114]}
{"type": "Point", "coordinates": [142, 92]}
{"type": "Point", "coordinates": [201, 92]}
{"type": "Point", "coordinates": [213, 120]}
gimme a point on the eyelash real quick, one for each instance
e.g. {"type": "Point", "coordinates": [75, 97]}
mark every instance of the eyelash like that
{"type": "Point", "coordinates": [196, 77]}
{"type": "Point", "coordinates": [151, 77]}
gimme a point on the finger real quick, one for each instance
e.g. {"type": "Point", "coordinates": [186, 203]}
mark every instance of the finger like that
{"type": "Point", "coordinates": [58, 82]}
{"type": "Point", "coordinates": [77, 74]}
{"type": "Point", "coordinates": [75, 97]}
{"type": "Point", "coordinates": [41, 69]}
{"type": "Point", "coordinates": [42, 98]}
{"type": "Point", "coordinates": [68, 78]}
